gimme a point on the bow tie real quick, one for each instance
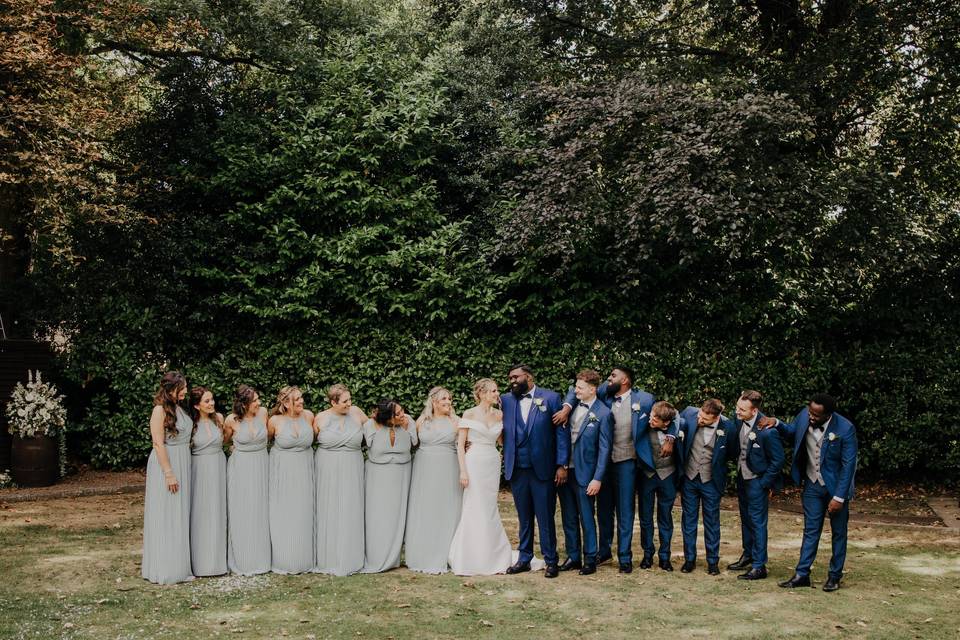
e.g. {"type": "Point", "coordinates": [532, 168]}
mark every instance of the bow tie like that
{"type": "Point", "coordinates": [526, 395]}
{"type": "Point", "coordinates": [709, 426]}
{"type": "Point", "coordinates": [816, 427]}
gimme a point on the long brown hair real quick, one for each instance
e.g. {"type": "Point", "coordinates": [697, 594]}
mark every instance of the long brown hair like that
{"type": "Point", "coordinates": [196, 395]}
{"type": "Point", "coordinates": [242, 399]}
{"type": "Point", "coordinates": [170, 385]}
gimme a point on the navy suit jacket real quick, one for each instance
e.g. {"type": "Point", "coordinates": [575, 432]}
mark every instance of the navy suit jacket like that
{"type": "Point", "coordinates": [592, 450]}
{"type": "Point", "coordinates": [549, 446]}
{"type": "Point", "coordinates": [838, 454]}
{"type": "Point", "coordinates": [722, 451]}
{"type": "Point", "coordinates": [643, 402]}
{"type": "Point", "coordinates": [765, 456]}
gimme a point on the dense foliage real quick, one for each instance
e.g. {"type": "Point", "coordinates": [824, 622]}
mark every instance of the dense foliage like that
{"type": "Point", "coordinates": [396, 195]}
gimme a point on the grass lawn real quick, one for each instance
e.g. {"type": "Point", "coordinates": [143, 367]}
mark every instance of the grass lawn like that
{"type": "Point", "coordinates": [70, 569]}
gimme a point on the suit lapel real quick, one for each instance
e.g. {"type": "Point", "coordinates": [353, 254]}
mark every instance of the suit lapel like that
{"type": "Point", "coordinates": [826, 439]}
{"type": "Point", "coordinates": [532, 415]}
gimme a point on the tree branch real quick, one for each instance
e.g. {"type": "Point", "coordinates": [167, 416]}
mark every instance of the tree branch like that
{"type": "Point", "coordinates": [133, 50]}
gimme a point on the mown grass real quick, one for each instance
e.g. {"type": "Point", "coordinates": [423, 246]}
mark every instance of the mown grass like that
{"type": "Point", "coordinates": [70, 569]}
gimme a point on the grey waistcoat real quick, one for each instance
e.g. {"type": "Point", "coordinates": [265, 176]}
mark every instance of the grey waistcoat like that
{"type": "Point", "coordinates": [745, 444]}
{"type": "Point", "coordinates": [623, 445]}
{"type": "Point", "coordinates": [700, 462]}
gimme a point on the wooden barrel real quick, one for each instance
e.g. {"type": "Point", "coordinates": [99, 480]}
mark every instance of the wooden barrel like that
{"type": "Point", "coordinates": [35, 461]}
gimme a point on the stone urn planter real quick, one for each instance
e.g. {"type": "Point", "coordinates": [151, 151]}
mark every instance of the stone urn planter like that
{"type": "Point", "coordinates": [35, 461]}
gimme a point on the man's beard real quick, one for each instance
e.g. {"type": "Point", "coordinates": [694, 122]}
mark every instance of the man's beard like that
{"type": "Point", "coordinates": [613, 388]}
{"type": "Point", "coordinates": [519, 388]}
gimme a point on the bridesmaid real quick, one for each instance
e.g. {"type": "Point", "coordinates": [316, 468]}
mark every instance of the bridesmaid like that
{"type": "Point", "coordinates": [166, 506]}
{"type": "Point", "coordinates": [389, 436]}
{"type": "Point", "coordinates": [248, 535]}
{"type": "Point", "coordinates": [291, 484]}
{"type": "Point", "coordinates": [208, 502]}
{"type": "Point", "coordinates": [339, 470]}
{"type": "Point", "coordinates": [433, 510]}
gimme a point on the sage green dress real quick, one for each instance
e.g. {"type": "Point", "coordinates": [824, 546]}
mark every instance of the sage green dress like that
{"type": "Point", "coordinates": [433, 509]}
{"type": "Point", "coordinates": [292, 497]}
{"type": "Point", "coordinates": [166, 516]}
{"type": "Point", "coordinates": [248, 511]}
{"type": "Point", "coordinates": [339, 472]}
{"type": "Point", "coordinates": [386, 488]}
{"type": "Point", "coordinates": [208, 503]}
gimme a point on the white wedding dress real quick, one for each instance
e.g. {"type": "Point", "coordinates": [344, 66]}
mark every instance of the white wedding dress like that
{"type": "Point", "coordinates": [480, 545]}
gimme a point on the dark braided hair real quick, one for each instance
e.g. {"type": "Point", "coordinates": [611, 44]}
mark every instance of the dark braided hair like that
{"type": "Point", "coordinates": [170, 385]}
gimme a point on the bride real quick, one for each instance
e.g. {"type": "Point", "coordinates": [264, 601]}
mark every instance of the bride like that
{"type": "Point", "coordinates": [480, 545]}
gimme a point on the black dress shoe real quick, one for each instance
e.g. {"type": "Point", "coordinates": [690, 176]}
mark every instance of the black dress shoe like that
{"type": "Point", "coordinates": [588, 569]}
{"type": "Point", "coordinates": [552, 571]}
{"type": "Point", "coordinates": [626, 567]}
{"type": "Point", "coordinates": [665, 565]}
{"type": "Point", "coordinates": [795, 581]}
{"type": "Point", "coordinates": [832, 584]}
{"type": "Point", "coordinates": [688, 566]}
{"type": "Point", "coordinates": [754, 574]}
{"type": "Point", "coordinates": [569, 564]}
{"type": "Point", "coordinates": [713, 569]}
{"type": "Point", "coordinates": [744, 562]}
{"type": "Point", "coordinates": [646, 563]}
{"type": "Point", "coordinates": [519, 567]}
{"type": "Point", "coordinates": [604, 558]}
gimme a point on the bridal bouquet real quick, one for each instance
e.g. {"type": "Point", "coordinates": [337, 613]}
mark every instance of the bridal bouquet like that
{"type": "Point", "coordinates": [36, 409]}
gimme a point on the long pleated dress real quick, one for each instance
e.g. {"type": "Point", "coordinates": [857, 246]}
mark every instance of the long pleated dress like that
{"type": "Point", "coordinates": [248, 511]}
{"type": "Point", "coordinates": [166, 516]}
{"type": "Point", "coordinates": [208, 502]}
{"type": "Point", "coordinates": [386, 488]}
{"type": "Point", "coordinates": [339, 473]}
{"type": "Point", "coordinates": [292, 497]}
{"type": "Point", "coordinates": [433, 509]}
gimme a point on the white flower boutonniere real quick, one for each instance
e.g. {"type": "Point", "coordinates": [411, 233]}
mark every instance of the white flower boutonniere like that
{"type": "Point", "coordinates": [752, 436]}
{"type": "Point", "coordinates": [635, 406]}
{"type": "Point", "coordinates": [720, 433]}
{"type": "Point", "coordinates": [682, 434]}
{"type": "Point", "coordinates": [592, 417]}
{"type": "Point", "coordinates": [832, 436]}
{"type": "Point", "coordinates": [539, 403]}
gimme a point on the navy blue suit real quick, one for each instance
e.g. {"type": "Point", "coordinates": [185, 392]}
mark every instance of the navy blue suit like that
{"type": "Point", "coordinates": [765, 458]}
{"type": "Point", "coordinates": [658, 491]}
{"type": "Point", "coordinates": [838, 467]}
{"type": "Point", "coordinates": [532, 451]}
{"type": "Point", "coordinates": [619, 488]}
{"type": "Point", "coordinates": [696, 492]}
{"type": "Point", "coordinates": [590, 457]}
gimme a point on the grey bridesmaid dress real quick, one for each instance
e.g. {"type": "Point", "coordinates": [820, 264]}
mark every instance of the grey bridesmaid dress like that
{"type": "Point", "coordinates": [291, 497]}
{"type": "Point", "coordinates": [208, 502]}
{"type": "Point", "coordinates": [339, 473]}
{"type": "Point", "coordinates": [166, 516]}
{"type": "Point", "coordinates": [248, 520]}
{"type": "Point", "coordinates": [386, 488]}
{"type": "Point", "coordinates": [433, 509]}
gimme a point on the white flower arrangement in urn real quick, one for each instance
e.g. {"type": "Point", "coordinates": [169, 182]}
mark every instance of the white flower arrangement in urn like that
{"type": "Point", "coordinates": [36, 409]}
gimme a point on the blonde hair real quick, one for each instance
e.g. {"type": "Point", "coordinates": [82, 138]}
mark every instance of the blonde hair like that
{"type": "Point", "coordinates": [335, 392]}
{"type": "Point", "coordinates": [286, 394]}
{"type": "Point", "coordinates": [427, 414]}
{"type": "Point", "coordinates": [482, 385]}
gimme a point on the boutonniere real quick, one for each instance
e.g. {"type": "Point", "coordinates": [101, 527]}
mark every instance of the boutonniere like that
{"type": "Point", "coordinates": [635, 406]}
{"type": "Point", "coordinates": [832, 436]}
{"type": "Point", "coordinates": [752, 436]}
{"type": "Point", "coordinates": [720, 433]}
{"type": "Point", "coordinates": [539, 403]}
{"type": "Point", "coordinates": [592, 417]}
{"type": "Point", "coordinates": [681, 434]}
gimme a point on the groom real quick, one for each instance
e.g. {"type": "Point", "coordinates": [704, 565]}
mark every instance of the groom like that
{"type": "Point", "coordinates": [535, 455]}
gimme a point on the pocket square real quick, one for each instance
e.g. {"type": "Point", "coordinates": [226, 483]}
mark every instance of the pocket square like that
{"type": "Point", "coordinates": [756, 446]}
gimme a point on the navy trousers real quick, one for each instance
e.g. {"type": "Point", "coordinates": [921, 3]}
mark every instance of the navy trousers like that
{"type": "Point", "coordinates": [754, 502]}
{"type": "Point", "coordinates": [815, 499]}
{"type": "Point", "coordinates": [577, 513]}
{"type": "Point", "coordinates": [535, 498]}
{"type": "Point", "coordinates": [661, 492]}
{"type": "Point", "coordinates": [697, 495]}
{"type": "Point", "coordinates": [617, 495]}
